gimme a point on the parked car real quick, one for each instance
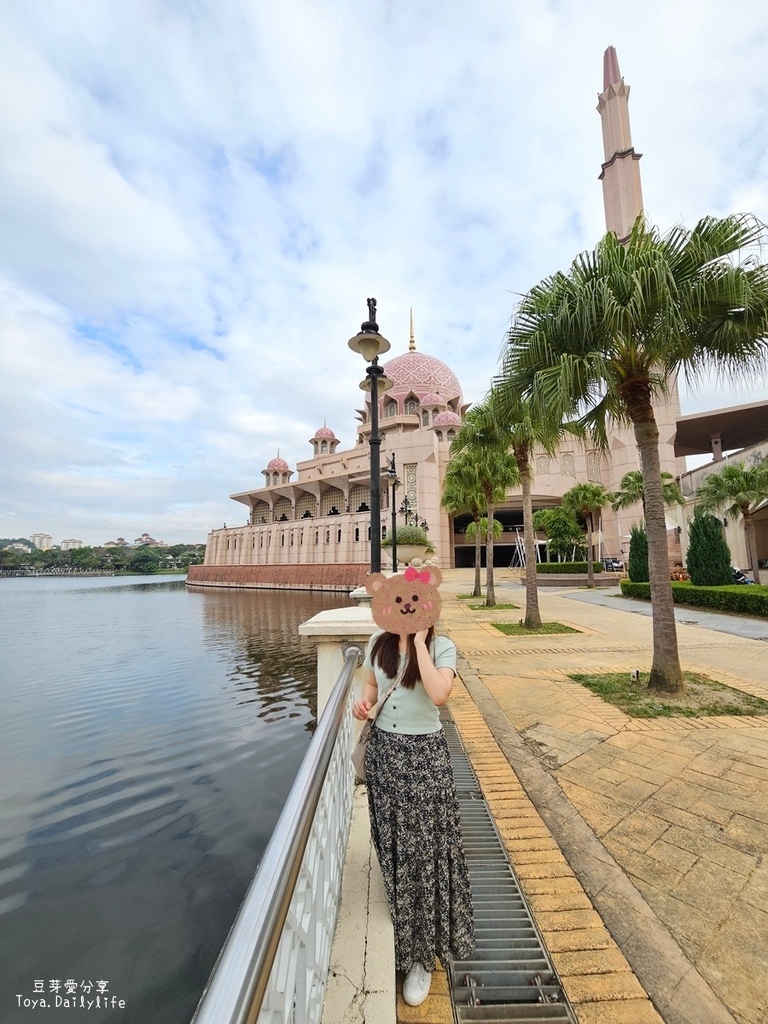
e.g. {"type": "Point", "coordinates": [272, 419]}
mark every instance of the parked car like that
{"type": "Point", "coordinates": [612, 564]}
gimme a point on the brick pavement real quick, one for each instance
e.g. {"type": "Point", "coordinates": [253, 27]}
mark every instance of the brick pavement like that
{"type": "Point", "coordinates": [679, 808]}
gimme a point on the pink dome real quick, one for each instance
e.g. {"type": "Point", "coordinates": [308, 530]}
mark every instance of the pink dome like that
{"type": "Point", "coordinates": [322, 432]}
{"type": "Point", "coordinates": [432, 398]}
{"type": "Point", "coordinates": [423, 375]}
{"type": "Point", "coordinates": [447, 419]}
{"type": "Point", "coordinates": [278, 465]}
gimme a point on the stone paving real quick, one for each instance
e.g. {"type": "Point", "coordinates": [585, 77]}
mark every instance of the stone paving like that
{"type": "Point", "coordinates": [655, 831]}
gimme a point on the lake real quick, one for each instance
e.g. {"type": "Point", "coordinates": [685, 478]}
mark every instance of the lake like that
{"type": "Point", "coordinates": [148, 740]}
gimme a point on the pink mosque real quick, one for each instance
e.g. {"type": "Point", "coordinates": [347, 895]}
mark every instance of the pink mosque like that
{"type": "Point", "coordinates": [313, 531]}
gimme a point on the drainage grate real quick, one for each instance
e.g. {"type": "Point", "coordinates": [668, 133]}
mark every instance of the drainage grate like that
{"type": "Point", "coordinates": [510, 976]}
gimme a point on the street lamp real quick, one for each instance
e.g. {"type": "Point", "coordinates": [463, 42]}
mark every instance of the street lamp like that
{"type": "Point", "coordinates": [370, 344]}
{"type": "Point", "coordinates": [405, 509]}
{"type": "Point", "coordinates": [392, 477]}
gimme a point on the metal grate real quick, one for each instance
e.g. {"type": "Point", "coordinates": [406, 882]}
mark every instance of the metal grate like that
{"type": "Point", "coordinates": [510, 976]}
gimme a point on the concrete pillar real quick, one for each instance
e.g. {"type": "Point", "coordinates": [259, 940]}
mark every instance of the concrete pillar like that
{"type": "Point", "coordinates": [331, 629]}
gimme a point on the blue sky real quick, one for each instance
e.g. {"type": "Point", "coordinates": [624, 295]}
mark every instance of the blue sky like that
{"type": "Point", "coordinates": [197, 197]}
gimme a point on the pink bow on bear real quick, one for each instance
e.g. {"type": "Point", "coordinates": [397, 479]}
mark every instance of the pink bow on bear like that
{"type": "Point", "coordinates": [414, 574]}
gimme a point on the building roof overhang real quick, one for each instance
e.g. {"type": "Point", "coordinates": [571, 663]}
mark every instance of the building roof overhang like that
{"type": "Point", "coordinates": [737, 427]}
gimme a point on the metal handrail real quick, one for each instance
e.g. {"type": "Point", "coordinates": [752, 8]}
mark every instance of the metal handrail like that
{"type": "Point", "coordinates": [235, 990]}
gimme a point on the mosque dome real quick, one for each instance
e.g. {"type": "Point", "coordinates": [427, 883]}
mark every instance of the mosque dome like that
{"type": "Point", "coordinates": [423, 375]}
{"type": "Point", "coordinates": [432, 398]}
{"type": "Point", "coordinates": [324, 432]}
{"type": "Point", "coordinates": [447, 419]}
{"type": "Point", "coordinates": [278, 465]}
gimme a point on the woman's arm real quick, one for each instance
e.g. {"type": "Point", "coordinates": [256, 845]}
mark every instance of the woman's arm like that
{"type": "Point", "coordinates": [361, 707]}
{"type": "Point", "coordinates": [438, 682]}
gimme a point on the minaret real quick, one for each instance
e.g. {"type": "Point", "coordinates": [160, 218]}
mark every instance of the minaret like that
{"type": "Point", "coordinates": [622, 194]}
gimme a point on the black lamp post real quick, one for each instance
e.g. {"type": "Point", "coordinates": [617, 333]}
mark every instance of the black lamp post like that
{"type": "Point", "coordinates": [370, 344]}
{"type": "Point", "coordinates": [405, 509]}
{"type": "Point", "coordinates": [392, 477]}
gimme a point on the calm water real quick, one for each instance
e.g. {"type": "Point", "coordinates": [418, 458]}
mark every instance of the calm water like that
{"type": "Point", "coordinates": [148, 739]}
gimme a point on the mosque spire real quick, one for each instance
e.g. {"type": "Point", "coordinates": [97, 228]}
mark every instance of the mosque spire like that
{"type": "Point", "coordinates": [412, 338]}
{"type": "Point", "coordinates": [620, 175]}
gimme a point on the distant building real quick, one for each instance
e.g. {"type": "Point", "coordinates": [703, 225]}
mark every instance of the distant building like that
{"type": "Point", "coordinates": [150, 541]}
{"type": "Point", "coordinates": [42, 541]}
{"type": "Point", "coordinates": [71, 545]}
{"type": "Point", "coordinates": [21, 549]}
{"type": "Point", "coordinates": [121, 542]}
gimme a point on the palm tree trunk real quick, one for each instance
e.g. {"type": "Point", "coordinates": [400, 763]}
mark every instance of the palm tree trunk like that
{"type": "Point", "coordinates": [532, 613]}
{"type": "Point", "coordinates": [590, 553]}
{"type": "Point", "coordinates": [666, 674]}
{"type": "Point", "coordinates": [490, 594]}
{"type": "Point", "coordinates": [749, 532]}
{"type": "Point", "coordinates": [478, 590]}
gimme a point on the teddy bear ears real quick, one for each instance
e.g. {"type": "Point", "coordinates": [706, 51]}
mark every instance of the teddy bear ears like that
{"type": "Point", "coordinates": [428, 574]}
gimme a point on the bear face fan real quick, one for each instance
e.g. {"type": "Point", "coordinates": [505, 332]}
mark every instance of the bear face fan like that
{"type": "Point", "coordinates": [407, 603]}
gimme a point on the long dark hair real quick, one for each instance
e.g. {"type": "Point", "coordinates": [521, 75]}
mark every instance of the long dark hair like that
{"type": "Point", "coordinates": [386, 654]}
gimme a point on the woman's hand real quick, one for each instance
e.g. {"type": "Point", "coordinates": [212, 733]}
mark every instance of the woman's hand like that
{"type": "Point", "coordinates": [420, 638]}
{"type": "Point", "coordinates": [360, 709]}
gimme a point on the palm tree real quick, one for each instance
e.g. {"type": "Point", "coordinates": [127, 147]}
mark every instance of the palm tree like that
{"type": "Point", "coordinates": [481, 529]}
{"type": "Point", "coordinates": [631, 491]}
{"type": "Point", "coordinates": [611, 335]}
{"type": "Point", "coordinates": [481, 441]}
{"type": "Point", "coordinates": [587, 500]}
{"type": "Point", "coordinates": [463, 494]}
{"type": "Point", "coordinates": [739, 491]}
{"type": "Point", "coordinates": [505, 421]}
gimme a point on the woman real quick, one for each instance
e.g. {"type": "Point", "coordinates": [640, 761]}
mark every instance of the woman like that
{"type": "Point", "coordinates": [413, 806]}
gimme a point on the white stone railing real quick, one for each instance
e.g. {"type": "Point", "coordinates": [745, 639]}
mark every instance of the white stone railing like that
{"type": "Point", "coordinates": [274, 964]}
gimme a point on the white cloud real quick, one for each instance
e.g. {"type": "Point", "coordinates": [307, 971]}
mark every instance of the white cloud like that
{"type": "Point", "coordinates": [196, 199]}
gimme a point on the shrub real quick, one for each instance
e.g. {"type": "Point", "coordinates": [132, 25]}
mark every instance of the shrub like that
{"type": "Point", "coordinates": [407, 535]}
{"type": "Point", "coordinates": [569, 567]}
{"type": "Point", "coordinates": [638, 555]}
{"type": "Point", "coordinates": [743, 600]}
{"type": "Point", "coordinates": [709, 557]}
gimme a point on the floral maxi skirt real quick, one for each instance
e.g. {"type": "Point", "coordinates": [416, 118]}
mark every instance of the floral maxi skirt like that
{"type": "Point", "coordinates": [416, 832]}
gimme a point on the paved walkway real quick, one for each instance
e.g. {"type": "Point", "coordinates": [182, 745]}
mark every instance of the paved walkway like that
{"type": "Point", "coordinates": [722, 622]}
{"type": "Point", "coordinates": [661, 826]}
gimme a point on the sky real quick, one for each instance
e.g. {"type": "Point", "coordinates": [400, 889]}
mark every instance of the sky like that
{"type": "Point", "coordinates": [198, 196]}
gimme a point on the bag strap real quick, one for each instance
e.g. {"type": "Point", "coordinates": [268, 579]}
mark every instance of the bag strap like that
{"type": "Point", "coordinates": [380, 704]}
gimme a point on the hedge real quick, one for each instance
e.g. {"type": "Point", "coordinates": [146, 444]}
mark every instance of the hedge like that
{"type": "Point", "coordinates": [569, 567]}
{"type": "Point", "coordinates": [741, 598]}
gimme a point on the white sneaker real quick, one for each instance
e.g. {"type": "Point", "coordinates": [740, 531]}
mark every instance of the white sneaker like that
{"type": "Point", "coordinates": [416, 985]}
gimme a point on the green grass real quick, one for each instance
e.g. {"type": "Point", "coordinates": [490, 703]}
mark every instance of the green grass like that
{"type": "Point", "coordinates": [468, 597]}
{"type": "Point", "coordinates": [494, 608]}
{"type": "Point", "coordinates": [703, 697]}
{"type": "Point", "coordinates": [518, 629]}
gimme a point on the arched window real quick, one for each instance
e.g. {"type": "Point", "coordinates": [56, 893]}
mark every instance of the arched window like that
{"type": "Point", "coordinates": [282, 540]}
{"type": "Point", "coordinates": [301, 537]}
{"type": "Point", "coordinates": [542, 464]}
{"type": "Point", "coordinates": [425, 418]}
{"type": "Point", "coordinates": [390, 409]}
{"type": "Point", "coordinates": [410, 406]}
{"type": "Point", "coordinates": [338, 535]}
{"type": "Point", "coordinates": [567, 465]}
{"type": "Point", "coordinates": [357, 533]}
{"type": "Point", "coordinates": [324, 447]}
{"type": "Point", "coordinates": [275, 478]}
{"type": "Point", "coordinates": [317, 536]}
{"type": "Point", "coordinates": [291, 538]}
{"type": "Point", "coordinates": [327, 536]}
{"type": "Point", "coordinates": [261, 541]}
{"type": "Point", "coordinates": [450, 435]}
{"type": "Point", "coordinates": [439, 435]}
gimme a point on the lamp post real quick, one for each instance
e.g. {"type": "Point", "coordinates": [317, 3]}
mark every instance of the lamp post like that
{"type": "Point", "coordinates": [370, 344]}
{"type": "Point", "coordinates": [392, 477]}
{"type": "Point", "coordinates": [405, 509]}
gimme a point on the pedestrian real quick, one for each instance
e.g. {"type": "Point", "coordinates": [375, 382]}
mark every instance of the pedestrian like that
{"type": "Point", "coordinates": [412, 801]}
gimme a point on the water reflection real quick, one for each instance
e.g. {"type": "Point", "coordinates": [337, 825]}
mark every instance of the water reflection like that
{"type": "Point", "coordinates": [149, 740]}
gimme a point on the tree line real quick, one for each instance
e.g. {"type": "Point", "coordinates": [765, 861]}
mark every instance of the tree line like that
{"type": "Point", "coordinates": [141, 559]}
